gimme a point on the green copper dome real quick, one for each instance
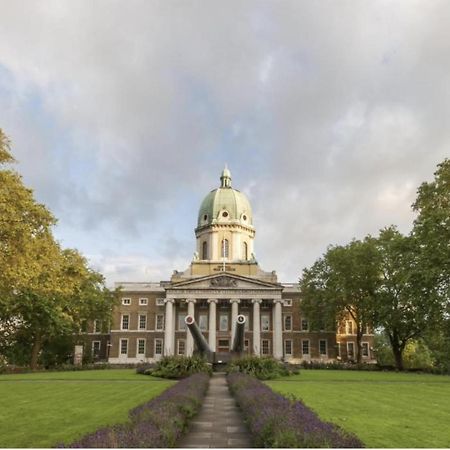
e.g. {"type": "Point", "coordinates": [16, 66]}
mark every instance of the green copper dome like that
{"type": "Point", "coordinates": [225, 205]}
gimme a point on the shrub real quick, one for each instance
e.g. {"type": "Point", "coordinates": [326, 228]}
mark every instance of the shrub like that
{"type": "Point", "coordinates": [157, 423]}
{"type": "Point", "coordinates": [176, 367]}
{"type": "Point", "coordinates": [277, 422]}
{"type": "Point", "coordinates": [264, 368]}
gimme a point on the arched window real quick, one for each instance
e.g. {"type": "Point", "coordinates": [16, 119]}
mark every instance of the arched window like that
{"type": "Point", "coordinates": [245, 251]}
{"type": "Point", "coordinates": [205, 250]}
{"type": "Point", "coordinates": [225, 248]}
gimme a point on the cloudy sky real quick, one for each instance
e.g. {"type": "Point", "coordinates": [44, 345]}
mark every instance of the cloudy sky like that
{"type": "Point", "coordinates": [122, 115]}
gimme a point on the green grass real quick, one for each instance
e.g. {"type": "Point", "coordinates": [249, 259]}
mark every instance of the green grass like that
{"type": "Point", "coordinates": [44, 409]}
{"type": "Point", "coordinates": [383, 409]}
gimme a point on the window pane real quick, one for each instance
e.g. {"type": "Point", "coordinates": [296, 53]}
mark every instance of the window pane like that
{"type": "Point", "coordinates": [123, 346]}
{"type": "Point", "coordinates": [181, 322]}
{"type": "Point", "coordinates": [142, 322]}
{"type": "Point", "coordinates": [158, 346]}
{"type": "Point", "coordinates": [305, 347]}
{"type": "Point", "coordinates": [159, 322]}
{"type": "Point", "coordinates": [288, 323]}
{"type": "Point", "coordinates": [203, 322]}
{"type": "Point", "coordinates": [223, 325]}
{"type": "Point", "coordinates": [323, 347]}
{"type": "Point", "coordinates": [141, 346]}
{"type": "Point", "coordinates": [288, 347]}
{"type": "Point", "coordinates": [125, 322]}
{"type": "Point", "coordinates": [305, 325]}
{"type": "Point", "coordinates": [265, 323]}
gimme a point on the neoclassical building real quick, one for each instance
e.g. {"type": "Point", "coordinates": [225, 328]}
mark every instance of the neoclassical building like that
{"type": "Point", "coordinates": [223, 280]}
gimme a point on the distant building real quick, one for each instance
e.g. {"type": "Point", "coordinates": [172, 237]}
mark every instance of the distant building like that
{"type": "Point", "coordinates": [222, 281]}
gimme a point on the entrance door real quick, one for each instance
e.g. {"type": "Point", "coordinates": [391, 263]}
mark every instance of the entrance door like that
{"type": "Point", "coordinates": [223, 345]}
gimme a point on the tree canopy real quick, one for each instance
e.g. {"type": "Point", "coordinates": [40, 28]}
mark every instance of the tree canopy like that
{"type": "Point", "coordinates": [45, 291]}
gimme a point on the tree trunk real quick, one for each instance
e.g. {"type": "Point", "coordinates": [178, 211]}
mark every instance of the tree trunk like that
{"type": "Point", "coordinates": [398, 355]}
{"type": "Point", "coordinates": [397, 350]}
{"type": "Point", "coordinates": [35, 353]}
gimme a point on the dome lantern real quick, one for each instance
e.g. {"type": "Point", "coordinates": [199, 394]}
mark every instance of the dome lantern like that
{"type": "Point", "coordinates": [225, 178]}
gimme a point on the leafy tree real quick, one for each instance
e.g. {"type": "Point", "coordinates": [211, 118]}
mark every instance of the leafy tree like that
{"type": "Point", "coordinates": [404, 310]}
{"type": "Point", "coordinates": [45, 291]}
{"type": "Point", "coordinates": [342, 284]}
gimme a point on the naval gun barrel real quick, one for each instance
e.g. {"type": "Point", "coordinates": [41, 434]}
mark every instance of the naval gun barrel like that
{"type": "Point", "coordinates": [197, 335]}
{"type": "Point", "coordinates": [238, 341]}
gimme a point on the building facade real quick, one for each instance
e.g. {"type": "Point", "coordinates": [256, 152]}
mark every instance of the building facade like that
{"type": "Point", "coordinates": [223, 280]}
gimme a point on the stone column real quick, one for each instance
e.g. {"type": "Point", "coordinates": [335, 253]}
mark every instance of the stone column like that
{"type": "Point", "coordinates": [277, 330]}
{"type": "Point", "coordinates": [256, 327]}
{"type": "Point", "coordinates": [234, 313]}
{"type": "Point", "coordinates": [212, 324]}
{"type": "Point", "coordinates": [169, 328]}
{"type": "Point", "coordinates": [189, 339]}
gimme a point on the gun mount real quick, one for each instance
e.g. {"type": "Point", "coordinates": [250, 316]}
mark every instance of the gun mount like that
{"type": "Point", "coordinates": [198, 337]}
{"type": "Point", "coordinates": [238, 341]}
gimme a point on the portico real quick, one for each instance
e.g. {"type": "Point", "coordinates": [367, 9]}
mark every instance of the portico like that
{"type": "Point", "coordinates": [225, 296]}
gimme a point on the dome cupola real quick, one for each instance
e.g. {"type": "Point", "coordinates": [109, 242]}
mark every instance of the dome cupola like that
{"type": "Point", "coordinates": [225, 205]}
{"type": "Point", "coordinates": [225, 224]}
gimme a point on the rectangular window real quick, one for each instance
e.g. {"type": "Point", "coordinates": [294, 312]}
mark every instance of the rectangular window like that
{"type": "Point", "coordinates": [339, 350]}
{"type": "Point", "coordinates": [181, 347]}
{"type": "Point", "coordinates": [141, 346]}
{"type": "Point", "coordinates": [143, 301]}
{"type": "Point", "coordinates": [265, 322]}
{"type": "Point", "coordinates": [181, 322]}
{"type": "Point", "coordinates": [203, 322]}
{"type": "Point", "coordinates": [245, 344]}
{"type": "Point", "coordinates": [158, 346]}
{"type": "Point", "coordinates": [126, 301]}
{"type": "Point", "coordinates": [323, 347]}
{"type": "Point", "coordinates": [142, 322]}
{"type": "Point", "coordinates": [305, 347]}
{"type": "Point", "coordinates": [365, 349]}
{"type": "Point", "coordinates": [349, 327]}
{"type": "Point", "coordinates": [159, 302]}
{"type": "Point", "coordinates": [350, 350]}
{"type": "Point", "coordinates": [247, 321]}
{"type": "Point", "coordinates": [288, 302]}
{"type": "Point", "coordinates": [288, 323]}
{"type": "Point", "coordinates": [125, 322]}
{"type": "Point", "coordinates": [223, 322]}
{"type": "Point", "coordinates": [97, 326]}
{"type": "Point", "coordinates": [305, 325]}
{"type": "Point", "coordinates": [265, 347]}
{"type": "Point", "coordinates": [124, 346]}
{"type": "Point", "coordinates": [159, 322]}
{"type": "Point", "coordinates": [96, 349]}
{"type": "Point", "coordinates": [288, 347]}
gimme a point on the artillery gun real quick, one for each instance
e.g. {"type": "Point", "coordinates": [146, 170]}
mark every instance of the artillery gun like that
{"type": "Point", "coordinates": [203, 347]}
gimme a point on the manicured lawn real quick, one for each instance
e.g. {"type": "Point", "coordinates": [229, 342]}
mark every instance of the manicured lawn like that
{"type": "Point", "coordinates": [44, 409]}
{"type": "Point", "coordinates": [382, 409]}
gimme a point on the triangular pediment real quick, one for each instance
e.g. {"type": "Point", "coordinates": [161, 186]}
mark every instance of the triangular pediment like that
{"type": "Point", "coordinates": [224, 280]}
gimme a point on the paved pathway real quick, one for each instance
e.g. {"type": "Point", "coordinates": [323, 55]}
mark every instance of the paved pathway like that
{"type": "Point", "coordinates": [219, 423]}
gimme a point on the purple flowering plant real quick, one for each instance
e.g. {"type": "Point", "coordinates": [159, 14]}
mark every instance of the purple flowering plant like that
{"type": "Point", "coordinates": [158, 423]}
{"type": "Point", "coordinates": [278, 422]}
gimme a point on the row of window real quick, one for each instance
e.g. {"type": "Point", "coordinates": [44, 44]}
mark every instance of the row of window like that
{"type": "Point", "coordinates": [224, 323]}
{"type": "Point", "coordinates": [224, 249]}
{"type": "Point", "coordinates": [126, 301]}
{"type": "Point", "coordinates": [142, 301]}
{"type": "Point", "coordinates": [225, 343]}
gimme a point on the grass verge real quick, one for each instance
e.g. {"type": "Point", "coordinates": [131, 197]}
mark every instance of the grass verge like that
{"type": "Point", "coordinates": [43, 409]}
{"type": "Point", "coordinates": [383, 409]}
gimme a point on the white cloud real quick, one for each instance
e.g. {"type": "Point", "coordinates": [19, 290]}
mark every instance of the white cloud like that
{"type": "Point", "coordinates": [122, 115]}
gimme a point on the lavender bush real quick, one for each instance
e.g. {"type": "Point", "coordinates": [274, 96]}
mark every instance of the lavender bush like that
{"type": "Point", "coordinates": [157, 423]}
{"type": "Point", "coordinates": [276, 421]}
